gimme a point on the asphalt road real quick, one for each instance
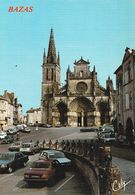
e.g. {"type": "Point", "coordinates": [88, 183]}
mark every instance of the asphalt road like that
{"type": "Point", "coordinates": [13, 184]}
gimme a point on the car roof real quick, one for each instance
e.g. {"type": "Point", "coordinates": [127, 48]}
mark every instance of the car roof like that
{"type": "Point", "coordinates": [9, 152]}
{"type": "Point", "coordinates": [51, 151]}
{"type": "Point", "coordinates": [28, 143]}
{"type": "Point", "coordinates": [19, 142]}
{"type": "Point", "coordinates": [44, 160]}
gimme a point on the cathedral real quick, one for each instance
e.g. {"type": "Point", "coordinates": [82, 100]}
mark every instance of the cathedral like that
{"type": "Point", "coordinates": [82, 101]}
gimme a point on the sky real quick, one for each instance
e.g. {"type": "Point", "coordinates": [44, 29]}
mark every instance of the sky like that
{"type": "Point", "coordinates": [98, 30]}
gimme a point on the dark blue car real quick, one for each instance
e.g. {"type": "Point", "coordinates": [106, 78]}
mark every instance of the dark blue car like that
{"type": "Point", "coordinates": [9, 161]}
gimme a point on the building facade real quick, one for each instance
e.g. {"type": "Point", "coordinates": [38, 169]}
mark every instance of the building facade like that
{"type": "Point", "coordinates": [82, 101]}
{"type": "Point", "coordinates": [125, 93]}
{"type": "Point", "coordinates": [33, 116]}
{"type": "Point", "coordinates": [3, 111]}
{"type": "Point", "coordinates": [10, 110]}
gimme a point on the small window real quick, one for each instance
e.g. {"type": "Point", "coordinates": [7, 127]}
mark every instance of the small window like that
{"type": "Point", "coordinates": [81, 74]}
{"type": "Point", "coordinates": [127, 101]}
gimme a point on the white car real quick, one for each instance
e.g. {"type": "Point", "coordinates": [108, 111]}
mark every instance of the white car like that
{"type": "Point", "coordinates": [56, 155]}
{"type": "Point", "coordinates": [29, 148]}
{"type": "Point", "coordinates": [12, 131]}
{"type": "Point", "coordinates": [2, 134]}
{"type": "Point", "coordinates": [108, 138]}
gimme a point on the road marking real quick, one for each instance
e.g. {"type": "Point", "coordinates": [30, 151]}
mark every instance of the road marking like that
{"type": "Point", "coordinates": [3, 178]}
{"type": "Point", "coordinates": [64, 183]}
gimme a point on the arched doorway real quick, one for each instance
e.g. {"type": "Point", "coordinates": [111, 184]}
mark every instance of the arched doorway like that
{"type": "Point", "coordinates": [83, 108]}
{"type": "Point", "coordinates": [61, 113]}
{"type": "Point", "coordinates": [104, 112]}
{"type": "Point", "coordinates": [129, 131]}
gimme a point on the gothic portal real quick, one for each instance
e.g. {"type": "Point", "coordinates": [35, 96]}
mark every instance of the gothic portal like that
{"type": "Point", "coordinates": [82, 101]}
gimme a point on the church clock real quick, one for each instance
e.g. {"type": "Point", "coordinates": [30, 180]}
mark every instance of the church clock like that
{"type": "Point", "coordinates": [81, 87]}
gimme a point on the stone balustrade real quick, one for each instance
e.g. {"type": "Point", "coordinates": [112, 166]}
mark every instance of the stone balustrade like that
{"type": "Point", "coordinates": [94, 160]}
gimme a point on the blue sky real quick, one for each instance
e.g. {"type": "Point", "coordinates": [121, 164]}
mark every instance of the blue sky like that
{"type": "Point", "coordinates": [98, 30]}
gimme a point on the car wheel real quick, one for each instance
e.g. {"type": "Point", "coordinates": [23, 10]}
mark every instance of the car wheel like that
{"type": "Point", "coordinates": [29, 184]}
{"type": "Point", "coordinates": [10, 169]}
{"type": "Point", "coordinates": [51, 182]}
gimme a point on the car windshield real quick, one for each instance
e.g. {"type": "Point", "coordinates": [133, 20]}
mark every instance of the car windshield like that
{"type": "Point", "coordinates": [26, 145]}
{"type": "Point", "coordinates": [108, 130]}
{"type": "Point", "coordinates": [6, 156]}
{"type": "Point", "coordinates": [40, 165]}
{"type": "Point", "coordinates": [11, 129]}
{"type": "Point", "coordinates": [2, 133]}
{"type": "Point", "coordinates": [52, 156]}
{"type": "Point", "coordinates": [59, 155]}
{"type": "Point", "coordinates": [17, 144]}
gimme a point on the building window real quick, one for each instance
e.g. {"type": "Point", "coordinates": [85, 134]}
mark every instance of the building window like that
{"type": "Point", "coordinates": [118, 88]}
{"type": "Point", "coordinates": [127, 75]}
{"type": "Point", "coordinates": [130, 99]}
{"type": "Point", "coordinates": [47, 74]}
{"type": "Point", "coordinates": [52, 74]}
{"type": "Point", "coordinates": [81, 74]}
{"type": "Point", "coordinates": [127, 101]}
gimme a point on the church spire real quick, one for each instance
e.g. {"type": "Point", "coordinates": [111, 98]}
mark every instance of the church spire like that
{"type": "Point", "coordinates": [44, 57]}
{"type": "Point", "coordinates": [51, 57]}
{"type": "Point", "coordinates": [58, 59]}
{"type": "Point", "coordinates": [94, 69]}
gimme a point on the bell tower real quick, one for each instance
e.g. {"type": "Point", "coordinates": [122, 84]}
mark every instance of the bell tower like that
{"type": "Point", "coordinates": [50, 79]}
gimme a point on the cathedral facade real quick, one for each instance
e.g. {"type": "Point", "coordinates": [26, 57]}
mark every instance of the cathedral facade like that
{"type": "Point", "coordinates": [82, 101]}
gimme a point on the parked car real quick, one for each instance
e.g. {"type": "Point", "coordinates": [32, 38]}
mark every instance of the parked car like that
{"type": "Point", "coordinates": [31, 124]}
{"type": "Point", "coordinates": [12, 131]}
{"type": "Point", "coordinates": [108, 138]}
{"type": "Point", "coordinates": [29, 148]}
{"type": "Point", "coordinates": [20, 127]}
{"type": "Point", "coordinates": [58, 125]}
{"type": "Point", "coordinates": [7, 140]}
{"type": "Point", "coordinates": [2, 135]}
{"type": "Point", "coordinates": [44, 125]}
{"type": "Point", "coordinates": [26, 130]}
{"type": "Point", "coordinates": [106, 131]}
{"type": "Point", "coordinates": [56, 155]}
{"type": "Point", "coordinates": [15, 146]}
{"type": "Point", "coordinates": [89, 129]}
{"type": "Point", "coordinates": [9, 161]}
{"type": "Point", "coordinates": [108, 127]}
{"type": "Point", "coordinates": [44, 171]}
{"type": "Point", "coordinates": [47, 125]}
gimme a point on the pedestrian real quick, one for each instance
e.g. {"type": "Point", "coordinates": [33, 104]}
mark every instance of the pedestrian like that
{"type": "Point", "coordinates": [37, 128]}
{"type": "Point", "coordinates": [36, 125]}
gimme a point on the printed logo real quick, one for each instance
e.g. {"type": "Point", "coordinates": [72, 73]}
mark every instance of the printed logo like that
{"type": "Point", "coordinates": [118, 185]}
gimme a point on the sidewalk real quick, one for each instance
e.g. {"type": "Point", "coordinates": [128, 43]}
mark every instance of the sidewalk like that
{"type": "Point", "coordinates": [127, 169]}
{"type": "Point", "coordinates": [125, 159]}
{"type": "Point", "coordinates": [123, 152]}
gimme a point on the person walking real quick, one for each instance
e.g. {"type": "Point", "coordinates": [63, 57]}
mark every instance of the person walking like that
{"type": "Point", "coordinates": [36, 125]}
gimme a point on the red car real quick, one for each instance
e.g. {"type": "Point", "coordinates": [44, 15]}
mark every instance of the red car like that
{"type": "Point", "coordinates": [44, 171]}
